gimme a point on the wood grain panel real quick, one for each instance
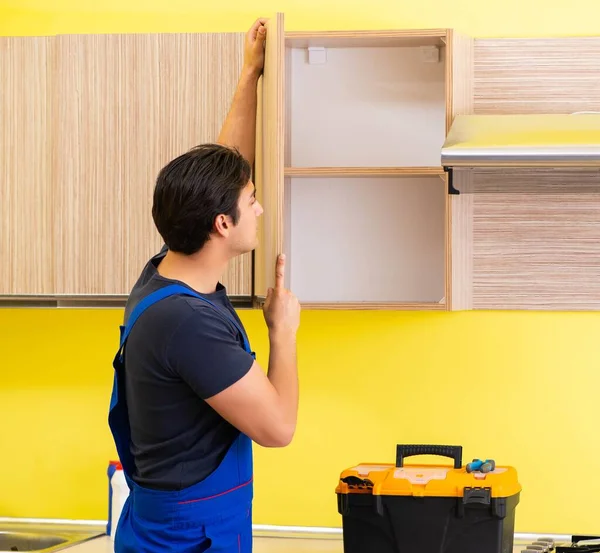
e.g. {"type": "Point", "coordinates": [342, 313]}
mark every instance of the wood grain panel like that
{"type": "Point", "coordinates": [270, 152]}
{"type": "Point", "coordinates": [460, 269]}
{"type": "Point", "coordinates": [459, 101]}
{"type": "Point", "coordinates": [536, 239]}
{"type": "Point", "coordinates": [536, 75]}
{"type": "Point", "coordinates": [126, 105]}
{"type": "Point", "coordinates": [287, 85]}
{"type": "Point", "coordinates": [26, 248]}
{"type": "Point", "coordinates": [87, 148]}
{"type": "Point", "coordinates": [198, 77]}
{"type": "Point", "coordinates": [459, 76]}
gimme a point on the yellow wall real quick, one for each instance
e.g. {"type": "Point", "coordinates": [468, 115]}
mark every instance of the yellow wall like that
{"type": "Point", "coordinates": [477, 17]}
{"type": "Point", "coordinates": [519, 387]}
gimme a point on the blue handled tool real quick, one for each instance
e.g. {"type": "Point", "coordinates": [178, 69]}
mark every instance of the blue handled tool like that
{"type": "Point", "coordinates": [477, 465]}
{"type": "Point", "coordinates": [488, 466]}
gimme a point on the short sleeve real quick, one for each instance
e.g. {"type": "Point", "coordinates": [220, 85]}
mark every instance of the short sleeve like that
{"type": "Point", "coordinates": [206, 353]}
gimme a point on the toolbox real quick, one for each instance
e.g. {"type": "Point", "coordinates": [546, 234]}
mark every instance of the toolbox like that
{"type": "Point", "coordinates": [424, 508]}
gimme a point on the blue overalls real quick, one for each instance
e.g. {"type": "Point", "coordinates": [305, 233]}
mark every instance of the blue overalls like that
{"type": "Point", "coordinates": [214, 515]}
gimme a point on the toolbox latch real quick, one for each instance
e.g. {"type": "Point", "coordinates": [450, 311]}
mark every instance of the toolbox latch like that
{"type": "Point", "coordinates": [356, 483]}
{"type": "Point", "coordinates": [473, 496]}
{"type": "Point", "coordinates": [477, 495]}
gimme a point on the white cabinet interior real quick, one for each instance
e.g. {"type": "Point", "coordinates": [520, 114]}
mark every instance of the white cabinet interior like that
{"type": "Point", "coordinates": [377, 239]}
{"type": "Point", "coordinates": [366, 106]}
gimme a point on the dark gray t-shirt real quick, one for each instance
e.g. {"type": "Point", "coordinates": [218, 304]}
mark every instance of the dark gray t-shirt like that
{"type": "Point", "coordinates": [179, 352]}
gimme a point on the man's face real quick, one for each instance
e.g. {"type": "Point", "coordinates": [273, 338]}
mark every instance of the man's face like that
{"type": "Point", "coordinates": [245, 235]}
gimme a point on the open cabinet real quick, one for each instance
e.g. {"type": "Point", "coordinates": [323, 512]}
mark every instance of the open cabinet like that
{"type": "Point", "coordinates": [348, 164]}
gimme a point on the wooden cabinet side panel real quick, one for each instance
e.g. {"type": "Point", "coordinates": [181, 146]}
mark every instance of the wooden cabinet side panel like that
{"type": "Point", "coordinates": [537, 75]}
{"type": "Point", "coordinates": [26, 213]}
{"type": "Point", "coordinates": [536, 239]}
{"type": "Point", "coordinates": [460, 271]}
{"type": "Point", "coordinates": [459, 101]}
{"type": "Point", "coordinates": [125, 106]}
{"type": "Point", "coordinates": [270, 157]}
{"type": "Point", "coordinates": [459, 76]}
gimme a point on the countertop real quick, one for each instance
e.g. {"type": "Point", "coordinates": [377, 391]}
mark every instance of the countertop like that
{"type": "Point", "coordinates": [265, 541]}
{"type": "Point", "coordinates": [262, 544]}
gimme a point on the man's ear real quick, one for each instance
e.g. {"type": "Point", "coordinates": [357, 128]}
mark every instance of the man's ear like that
{"type": "Point", "coordinates": [222, 225]}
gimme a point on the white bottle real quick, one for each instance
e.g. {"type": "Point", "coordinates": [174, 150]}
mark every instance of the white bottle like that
{"type": "Point", "coordinates": [118, 492]}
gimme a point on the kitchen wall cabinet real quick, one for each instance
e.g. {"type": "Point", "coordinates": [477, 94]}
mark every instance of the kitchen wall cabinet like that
{"type": "Point", "coordinates": [352, 123]}
{"type": "Point", "coordinates": [125, 105]}
{"type": "Point", "coordinates": [530, 239]}
{"type": "Point", "coordinates": [349, 130]}
{"type": "Point", "coordinates": [527, 238]}
{"type": "Point", "coordinates": [26, 192]}
{"type": "Point", "coordinates": [88, 121]}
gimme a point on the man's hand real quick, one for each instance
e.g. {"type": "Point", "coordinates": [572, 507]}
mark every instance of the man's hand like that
{"type": "Point", "coordinates": [265, 406]}
{"type": "Point", "coordinates": [254, 47]}
{"type": "Point", "coordinates": [239, 127]}
{"type": "Point", "coordinates": [281, 309]}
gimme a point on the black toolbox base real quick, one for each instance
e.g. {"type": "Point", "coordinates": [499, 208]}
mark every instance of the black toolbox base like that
{"type": "Point", "coordinates": [399, 524]}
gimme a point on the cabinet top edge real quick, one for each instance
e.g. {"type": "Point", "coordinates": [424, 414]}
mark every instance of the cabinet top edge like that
{"type": "Point", "coordinates": [371, 33]}
{"type": "Point", "coordinates": [344, 39]}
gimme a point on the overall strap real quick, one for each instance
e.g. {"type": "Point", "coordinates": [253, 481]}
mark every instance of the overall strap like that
{"type": "Point", "coordinates": [172, 290]}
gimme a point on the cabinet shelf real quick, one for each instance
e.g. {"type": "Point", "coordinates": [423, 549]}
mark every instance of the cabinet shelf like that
{"type": "Point", "coordinates": [363, 171]}
{"type": "Point", "coordinates": [365, 306]}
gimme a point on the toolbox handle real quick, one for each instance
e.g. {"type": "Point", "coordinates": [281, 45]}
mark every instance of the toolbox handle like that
{"type": "Point", "coordinates": [452, 451]}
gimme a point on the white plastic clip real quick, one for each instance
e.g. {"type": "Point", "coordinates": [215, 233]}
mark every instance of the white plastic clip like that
{"type": "Point", "coordinates": [317, 55]}
{"type": "Point", "coordinates": [430, 54]}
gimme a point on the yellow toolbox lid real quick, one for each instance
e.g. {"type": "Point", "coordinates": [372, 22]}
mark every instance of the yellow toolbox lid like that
{"type": "Point", "coordinates": [426, 480]}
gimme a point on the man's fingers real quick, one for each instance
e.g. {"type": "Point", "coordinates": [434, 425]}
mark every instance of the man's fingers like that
{"type": "Point", "coordinates": [280, 271]}
{"type": "Point", "coordinates": [256, 26]}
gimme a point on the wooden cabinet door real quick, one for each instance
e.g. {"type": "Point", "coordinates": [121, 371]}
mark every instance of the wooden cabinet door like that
{"type": "Point", "coordinates": [269, 163]}
{"type": "Point", "coordinates": [90, 141]}
{"type": "Point", "coordinates": [26, 237]}
{"type": "Point", "coordinates": [125, 106]}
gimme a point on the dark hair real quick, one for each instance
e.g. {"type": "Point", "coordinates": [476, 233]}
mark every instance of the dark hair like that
{"type": "Point", "coordinates": [193, 189]}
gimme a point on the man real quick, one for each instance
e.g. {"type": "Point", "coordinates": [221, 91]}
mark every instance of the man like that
{"type": "Point", "coordinates": [189, 397]}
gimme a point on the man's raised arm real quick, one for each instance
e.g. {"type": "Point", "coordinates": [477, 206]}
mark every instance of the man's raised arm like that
{"type": "Point", "coordinates": [239, 128]}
